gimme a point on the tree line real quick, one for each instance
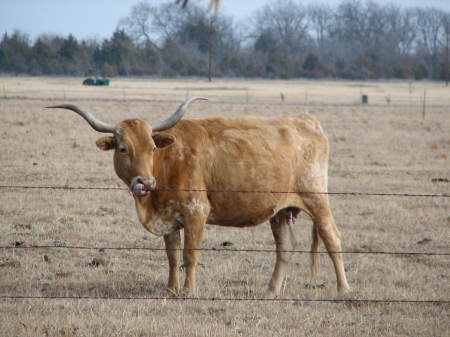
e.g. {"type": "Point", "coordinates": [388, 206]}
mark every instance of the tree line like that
{"type": "Point", "coordinates": [284, 39]}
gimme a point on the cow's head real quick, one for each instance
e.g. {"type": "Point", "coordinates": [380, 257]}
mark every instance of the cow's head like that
{"type": "Point", "coordinates": [134, 144]}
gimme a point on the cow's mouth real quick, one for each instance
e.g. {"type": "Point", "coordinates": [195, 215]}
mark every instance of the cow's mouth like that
{"type": "Point", "coordinates": [141, 187]}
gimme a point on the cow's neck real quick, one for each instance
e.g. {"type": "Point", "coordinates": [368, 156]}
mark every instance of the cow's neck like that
{"type": "Point", "coordinates": [157, 220]}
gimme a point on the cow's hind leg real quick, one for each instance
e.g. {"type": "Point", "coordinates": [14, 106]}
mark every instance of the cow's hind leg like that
{"type": "Point", "coordinates": [285, 242]}
{"type": "Point", "coordinates": [173, 244]}
{"type": "Point", "coordinates": [325, 228]}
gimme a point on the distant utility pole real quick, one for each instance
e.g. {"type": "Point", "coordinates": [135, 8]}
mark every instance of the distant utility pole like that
{"type": "Point", "coordinates": [447, 33]}
{"type": "Point", "coordinates": [210, 48]}
{"type": "Point", "coordinates": [424, 107]}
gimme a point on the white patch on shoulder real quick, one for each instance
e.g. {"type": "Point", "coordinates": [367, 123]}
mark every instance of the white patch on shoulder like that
{"type": "Point", "coordinates": [197, 206]}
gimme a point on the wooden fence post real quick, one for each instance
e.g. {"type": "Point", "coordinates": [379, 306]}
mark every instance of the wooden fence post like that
{"type": "Point", "coordinates": [424, 103]}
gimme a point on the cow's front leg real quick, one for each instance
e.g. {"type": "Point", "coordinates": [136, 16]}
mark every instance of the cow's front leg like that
{"type": "Point", "coordinates": [173, 245]}
{"type": "Point", "coordinates": [193, 234]}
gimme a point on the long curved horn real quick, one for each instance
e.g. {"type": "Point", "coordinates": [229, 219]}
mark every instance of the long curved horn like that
{"type": "Point", "coordinates": [96, 124]}
{"type": "Point", "coordinates": [176, 116]}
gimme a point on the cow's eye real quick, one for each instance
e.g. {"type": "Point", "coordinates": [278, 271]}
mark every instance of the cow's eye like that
{"type": "Point", "coordinates": [154, 149]}
{"type": "Point", "coordinates": [123, 149]}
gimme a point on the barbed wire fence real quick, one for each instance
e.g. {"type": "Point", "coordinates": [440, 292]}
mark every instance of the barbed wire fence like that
{"type": "Point", "coordinates": [223, 299]}
{"type": "Point", "coordinates": [228, 299]}
{"type": "Point", "coordinates": [229, 250]}
{"type": "Point", "coordinates": [67, 187]}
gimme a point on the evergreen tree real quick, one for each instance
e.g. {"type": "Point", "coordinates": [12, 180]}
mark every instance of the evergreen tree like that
{"type": "Point", "coordinates": [15, 55]}
{"type": "Point", "coordinates": [46, 60]}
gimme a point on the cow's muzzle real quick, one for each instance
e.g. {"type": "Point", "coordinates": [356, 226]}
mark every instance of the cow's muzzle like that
{"type": "Point", "coordinates": [141, 186]}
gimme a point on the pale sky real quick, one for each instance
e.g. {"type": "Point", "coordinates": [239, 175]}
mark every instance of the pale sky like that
{"type": "Point", "coordinates": [99, 18]}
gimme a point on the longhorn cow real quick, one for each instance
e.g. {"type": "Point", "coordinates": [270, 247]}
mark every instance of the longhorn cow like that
{"type": "Point", "coordinates": [181, 172]}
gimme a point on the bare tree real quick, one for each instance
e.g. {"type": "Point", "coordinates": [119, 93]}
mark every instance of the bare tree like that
{"type": "Point", "coordinates": [360, 25]}
{"type": "Point", "coordinates": [403, 29]}
{"type": "Point", "coordinates": [153, 21]}
{"type": "Point", "coordinates": [287, 21]}
{"type": "Point", "coordinates": [396, 42]}
{"type": "Point", "coordinates": [446, 25]}
{"type": "Point", "coordinates": [139, 23]}
{"type": "Point", "coordinates": [431, 34]}
{"type": "Point", "coordinates": [321, 20]}
{"type": "Point", "coordinates": [149, 23]}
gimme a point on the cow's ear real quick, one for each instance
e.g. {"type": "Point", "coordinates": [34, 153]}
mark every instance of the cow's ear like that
{"type": "Point", "coordinates": [105, 143]}
{"type": "Point", "coordinates": [163, 139]}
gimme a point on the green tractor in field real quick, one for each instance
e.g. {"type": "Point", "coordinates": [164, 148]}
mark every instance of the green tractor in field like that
{"type": "Point", "coordinates": [96, 81]}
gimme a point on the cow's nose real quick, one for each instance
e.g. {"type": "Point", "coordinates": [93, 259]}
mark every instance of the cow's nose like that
{"type": "Point", "coordinates": [148, 182]}
{"type": "Point", "coordinates": [141, 186]}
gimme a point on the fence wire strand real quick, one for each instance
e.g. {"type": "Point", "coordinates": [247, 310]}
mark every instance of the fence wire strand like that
{"type": "Point", "coordinates": [229, 299]}
{"type": "Point", "coordinates": [431, 195]}
{"type": "Point", "coordinates": [249, 250]}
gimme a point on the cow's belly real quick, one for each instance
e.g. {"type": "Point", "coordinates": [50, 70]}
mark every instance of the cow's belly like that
{"type": "Point", "coordinates": [238, 209]}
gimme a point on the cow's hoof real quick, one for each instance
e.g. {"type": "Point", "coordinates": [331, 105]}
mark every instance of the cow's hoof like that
{"type": "Point", "coordinates": [188, 293]}
{"type": "Point", "coordinates": [342, 292]}
{"type": "Point", "coordinates": [270, 294]}
{"type": "Point", "coordinates": [174, 292]}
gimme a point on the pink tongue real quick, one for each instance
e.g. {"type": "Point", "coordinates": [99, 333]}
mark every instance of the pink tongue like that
{"type": "Point", "coordinates": [138, 189]}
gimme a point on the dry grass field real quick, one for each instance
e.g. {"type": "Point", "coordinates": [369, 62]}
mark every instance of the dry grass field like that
{"type": "Point", "coordinates": [384, 147]}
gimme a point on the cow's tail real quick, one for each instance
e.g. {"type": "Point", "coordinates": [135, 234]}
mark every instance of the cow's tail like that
{"type": "Point", "coordinates": [314, 252]}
